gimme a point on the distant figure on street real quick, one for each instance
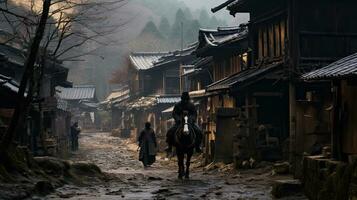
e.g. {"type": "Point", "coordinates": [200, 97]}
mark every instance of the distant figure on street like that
{"type": "Point", "coordinates": [148, 145]}
{"type": "Point", "coordinates": [75, 130]}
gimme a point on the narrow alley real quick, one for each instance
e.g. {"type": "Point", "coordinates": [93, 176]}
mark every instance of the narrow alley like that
{"type": "Point", "coordinates": [129, 180]}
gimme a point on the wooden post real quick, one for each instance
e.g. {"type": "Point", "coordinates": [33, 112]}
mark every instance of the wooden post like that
{"type": "Point", "coordinates": [292, 123]}
{"type": "Point", "coordinates": [336, 128]}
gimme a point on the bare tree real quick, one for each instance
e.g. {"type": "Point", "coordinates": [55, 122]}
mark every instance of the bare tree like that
{"type": "Point", "coordinates": [58, 28]}
{"type": "Point", "coordinates": [72, 23]}
{"type": "Point", "coordinates": [24, 101]}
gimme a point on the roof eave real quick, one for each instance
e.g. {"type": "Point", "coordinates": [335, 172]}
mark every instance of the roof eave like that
{"type": "Point", "coordinates": [241, 6]}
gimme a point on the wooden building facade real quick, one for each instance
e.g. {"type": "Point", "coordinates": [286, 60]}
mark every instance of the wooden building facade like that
{"type": "Point", "coordinates": [302, 36]}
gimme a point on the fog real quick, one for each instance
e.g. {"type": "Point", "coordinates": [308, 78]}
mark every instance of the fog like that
{"type": "Point", "coordinates": [98, 67]}
{"type": "Point", "coordinates": [133, 34]}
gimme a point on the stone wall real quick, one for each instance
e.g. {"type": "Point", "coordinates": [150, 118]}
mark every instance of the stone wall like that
{"type": "Point", "coordinates": [327, 179]}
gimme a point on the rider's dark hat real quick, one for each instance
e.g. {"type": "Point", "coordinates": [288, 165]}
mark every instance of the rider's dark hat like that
{"type": "Point", "coordinates": [185, 95]}
{"type": "Point", "coordinates": [147, 125]}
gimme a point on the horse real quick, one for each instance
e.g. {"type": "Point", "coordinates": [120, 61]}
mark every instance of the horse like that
{"type": "Point", "coordinates": [185, 138]}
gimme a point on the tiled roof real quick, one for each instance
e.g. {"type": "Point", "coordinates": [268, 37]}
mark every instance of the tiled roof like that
{"type": "Point", "coordinates": [240, 77]}
{"type": "Point", "coordinates": [346, 67]}
{"type": "Point", "coordinates": [145, 60]}
{"type": "Point", "coordinates": [168, 100]}
{"type": "Point", "coordinates": [78, 92]}
{"type": "Point", "coordinates": [177, 55]}
{"type": "Point", "coordinates": [222, 35]}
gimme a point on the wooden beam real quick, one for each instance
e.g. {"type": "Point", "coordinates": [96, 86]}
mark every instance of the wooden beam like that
{"type": "Point", "coordinates": [268, 94]}
{"type": "Point", "coordinates": [329, 34]}
{"type": "Point", "coordinates": [220, 7]}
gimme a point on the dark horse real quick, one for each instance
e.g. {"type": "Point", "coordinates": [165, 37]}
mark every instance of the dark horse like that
{"type": "Point", "coordinates": [184, 142]}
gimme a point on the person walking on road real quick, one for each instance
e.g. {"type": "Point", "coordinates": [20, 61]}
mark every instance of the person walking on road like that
{"type": "Point", "coordinates": [148, 145]}
{"type": "Point", "coordinates": [75, 130]}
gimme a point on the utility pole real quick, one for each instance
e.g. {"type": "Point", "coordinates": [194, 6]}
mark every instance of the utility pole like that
{"type": "Point", "coordinates": [181, 37]}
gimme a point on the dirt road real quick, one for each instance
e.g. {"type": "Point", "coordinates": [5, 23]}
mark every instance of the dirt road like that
{"type": "Point", "coordinates": [131, 181]}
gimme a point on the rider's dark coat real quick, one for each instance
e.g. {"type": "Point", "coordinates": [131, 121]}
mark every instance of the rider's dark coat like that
{"type": "Point", "coordinates": [180, 107]}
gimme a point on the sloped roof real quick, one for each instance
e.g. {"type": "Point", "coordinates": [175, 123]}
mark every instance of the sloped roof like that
{"type": "Point", "coordinates": [78, 92]}
{"type": "Point", "coordinates": [142, 103]}
{"type": "Point", "coordinates": [145, 60]}
{"type": "Point", "coordinates": [169, 110]}
{"type": "Point", "coordinates": [223, 36]}
{"type": "Point", "coordinates": [346, 67]}
{"type": "Point", "coordinates": [8, 83]}
{"type": "Point", "coordinates": [117, 94]}
{"type": "Point", "coordinates": [240, 77]}
{"type": "Point", "coordinates": [177, 55]}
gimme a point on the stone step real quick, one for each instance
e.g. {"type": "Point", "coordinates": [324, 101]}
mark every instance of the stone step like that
{"type": "Point", "coordinates": [283, 188]}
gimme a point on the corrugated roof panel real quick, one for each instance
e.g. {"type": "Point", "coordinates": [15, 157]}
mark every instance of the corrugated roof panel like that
{"type": "Point", "coordinates": [76, 93]}
{"type": "Point", "coordinates": [345, 67]}
{"type": "Point", "coordinates": [168, 100]}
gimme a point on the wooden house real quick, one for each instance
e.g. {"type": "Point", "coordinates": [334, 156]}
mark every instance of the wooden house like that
{"type": "Point", "coordinates": [141, 83]}
{"type": "Point", "coordinates": [44, 110]}
{"type": "Point", "coordinates": [298, 36]}
{"type": "Point", "coordinates": [226, 49]}
{"type": "Point", "coordinates": [83, 104]}
{"type": "Point", "coordinates": [115, 104]}
{"type": "Point", "coordinates": [342, 78]}
{"type": "Point", "coordinates": [341, 123]}
{"type": "Point", "coordinates": [155, 87]}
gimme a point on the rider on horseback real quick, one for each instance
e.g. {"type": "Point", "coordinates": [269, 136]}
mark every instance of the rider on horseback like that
{"type": "Point", "coordinates": [184, 106]}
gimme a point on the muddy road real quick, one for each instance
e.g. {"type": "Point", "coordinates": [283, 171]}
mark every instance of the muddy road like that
{"type": "Point", "coordinates": [129, 180]}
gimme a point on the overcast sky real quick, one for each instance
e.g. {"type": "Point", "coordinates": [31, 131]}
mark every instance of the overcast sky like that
{"type": "Point", "coordinates": [200, 3]}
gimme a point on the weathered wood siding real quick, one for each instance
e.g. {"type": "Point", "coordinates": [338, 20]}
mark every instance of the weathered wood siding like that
{"type": "Point", "coordinates": [349, 118]}
{"type": "Point", "coordinates": [327, 29]}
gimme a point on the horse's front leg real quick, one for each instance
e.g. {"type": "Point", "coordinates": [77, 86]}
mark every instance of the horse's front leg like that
{"type": "Point", "coordinates": [188, 162]}
{"type": "Point", "coordinates": [181, 167]}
